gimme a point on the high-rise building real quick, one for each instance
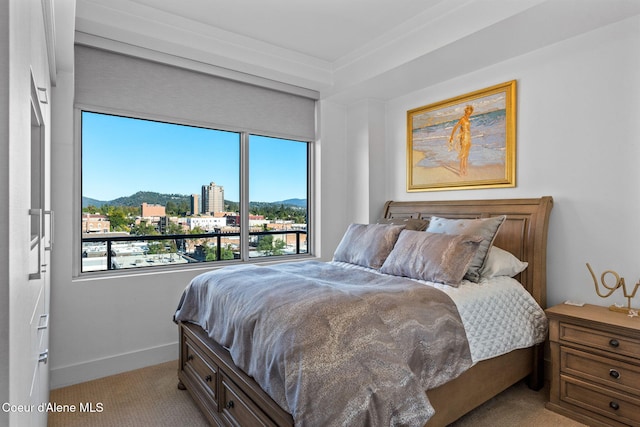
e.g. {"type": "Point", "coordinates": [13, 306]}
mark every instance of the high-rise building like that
{"type": "Point", "coordinates": [212, 198]}
{"type": "Point", "coordinates": [195, 204]}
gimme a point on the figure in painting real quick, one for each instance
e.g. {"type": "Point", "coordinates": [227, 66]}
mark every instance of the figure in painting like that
{"type": "Point", "coordinates": [463, 141]}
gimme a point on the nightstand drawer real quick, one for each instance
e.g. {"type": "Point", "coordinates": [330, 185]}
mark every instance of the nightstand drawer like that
{"type": "Point", "coordinates": [613, 373]}
{"type": "Point", "coordinates": [608, 341]}
{"type": "Point", "coordinates": [614, 405]}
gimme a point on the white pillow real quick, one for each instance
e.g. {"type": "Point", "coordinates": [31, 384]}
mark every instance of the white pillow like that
{"type": "Point", "coordinates": [502, 263]}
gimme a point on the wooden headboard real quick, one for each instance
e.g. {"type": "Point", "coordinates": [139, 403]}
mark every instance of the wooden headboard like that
{"type": "Point", "coordinates": [524, 233]}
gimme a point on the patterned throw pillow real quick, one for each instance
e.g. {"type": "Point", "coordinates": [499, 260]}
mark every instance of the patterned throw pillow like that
{"type": "Point", "coordinates": [487, 228]}
{"type": "Point", "coordinates": [409, 223]}
{"type": "Point", "coordinates": [441, 258]}
{"type": "Point", "coordinates": [367, 245]}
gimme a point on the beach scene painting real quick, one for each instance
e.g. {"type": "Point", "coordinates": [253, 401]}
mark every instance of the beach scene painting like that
{"type": "Point", "coordinates": [464, 142]}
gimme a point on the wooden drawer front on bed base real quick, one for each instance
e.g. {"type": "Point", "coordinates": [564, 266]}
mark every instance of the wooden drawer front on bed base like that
{"type": "Point", "coordinates": [226, 395]}
{"type": "Point", "coordinates": [205, 371]}
{"type": "Point", "coordinates": [238, 409]}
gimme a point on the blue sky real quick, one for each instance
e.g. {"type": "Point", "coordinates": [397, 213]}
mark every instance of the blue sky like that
{"type": "Point", "coordinates": [121, 156]}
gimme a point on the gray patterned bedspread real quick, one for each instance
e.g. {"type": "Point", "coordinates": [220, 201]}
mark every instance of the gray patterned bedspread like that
{"type": "Point", "coordinates": [333, 346]}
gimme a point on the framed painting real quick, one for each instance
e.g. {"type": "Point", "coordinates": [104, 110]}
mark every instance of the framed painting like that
{"type": "Point", "coordinates": [464, 142]}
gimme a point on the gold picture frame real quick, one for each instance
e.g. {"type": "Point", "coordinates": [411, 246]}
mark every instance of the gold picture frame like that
{"type": "Point", "coordinates": [466, 142]}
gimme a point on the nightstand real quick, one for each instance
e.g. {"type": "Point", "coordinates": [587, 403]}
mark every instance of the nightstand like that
{"type": "Point", "coordinates": [595, 357]}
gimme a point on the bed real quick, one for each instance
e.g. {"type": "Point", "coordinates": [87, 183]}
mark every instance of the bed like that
{"type": "Point", "coordinates": [229, 396]}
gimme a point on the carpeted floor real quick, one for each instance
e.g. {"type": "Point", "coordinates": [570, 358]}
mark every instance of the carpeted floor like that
{"type": "Point", "coordinates": [150, 397]}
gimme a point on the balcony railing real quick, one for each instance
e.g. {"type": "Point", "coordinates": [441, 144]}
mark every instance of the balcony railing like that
{"type": "Point", "coordinates": [104, 246]}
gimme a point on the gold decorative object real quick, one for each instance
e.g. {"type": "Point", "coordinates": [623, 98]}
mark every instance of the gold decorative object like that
{"type": "Point", "coordinates": [619, 283]}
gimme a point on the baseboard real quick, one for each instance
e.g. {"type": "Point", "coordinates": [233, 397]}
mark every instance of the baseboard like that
{"type": "Point", "coordinates": [91, 370]}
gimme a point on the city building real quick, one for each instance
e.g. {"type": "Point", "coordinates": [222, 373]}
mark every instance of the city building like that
{"type": "Point", "coordinates": [208, 223]}
{"type": "Point", "coordinates": [95, 223]}
{"type": "Point", "coordinates": [195, 204]}
{"type": "Point", "coordinates": [149, 211]}
{"type": "Point", "coordinates": [212, 198]}
{"type": "Point", "coordinates": [233, 219]}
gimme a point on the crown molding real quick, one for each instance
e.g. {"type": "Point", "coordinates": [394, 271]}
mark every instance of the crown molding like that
{"type": "Point", "coordinates": [135, 24]}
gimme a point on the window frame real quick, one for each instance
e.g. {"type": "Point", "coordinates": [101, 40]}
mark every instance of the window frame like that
{"type": "Point", "coordinates": [243, 197]}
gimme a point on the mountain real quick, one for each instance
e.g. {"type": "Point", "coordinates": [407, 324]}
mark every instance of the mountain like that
{"type": "Point", "coordinates": [88, 201]}
{"type": "Point", "coordinates": [293, 202]}
{"type": "Point", "coordinates": [137, 199]}
{"type": "Point", "coordinates": [153, 198]}
{"type": "Point", "coordinates": [149, 197]}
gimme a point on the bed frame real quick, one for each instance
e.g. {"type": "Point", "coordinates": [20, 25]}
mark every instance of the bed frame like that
{"type": "Point", "coordinates": [227, 396]}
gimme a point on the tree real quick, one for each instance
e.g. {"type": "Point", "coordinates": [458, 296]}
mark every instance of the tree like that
{"type": "Point", "coordinates": [118, 219]}
{"type": "Point", "coordinates": [278, 247]}
{"type": "Point", "coordinates": [211, 252]}
{"type": "Point", "coordinates": [269, 247]}
{"type": "Point", "coordinates": [157, 247]}
{"type": "Point", "coordinates": [174, 228]}
{"type": "Point", "coordinates": [144, 229]}
{"type": "Point", "coordinates": [226, 253]}
{"type": "Point", "coordinates": [197, 230]}
{"type": "Point", "coordinates": [171, 208]}
{"type": "Point", "coordinates": [231, 206]}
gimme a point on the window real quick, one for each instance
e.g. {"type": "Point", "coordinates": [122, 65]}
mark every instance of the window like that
{"type": "Point", "coordinates": [163, 194]}
{"type": "Point", "coordinates": [278, 172]}
{"type": "Point", "coordinates": [209, 180]}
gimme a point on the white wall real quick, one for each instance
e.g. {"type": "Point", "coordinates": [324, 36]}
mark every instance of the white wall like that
{"type": "Point", "coordinates": [331, 181]}
{"type": "Point", "coordinates": [578, 116]}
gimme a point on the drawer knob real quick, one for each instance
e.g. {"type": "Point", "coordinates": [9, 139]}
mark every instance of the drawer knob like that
{"type": "Point", "coordinates": [614, 405]}
{"type": "Point", "coordinates": [190, 357]}
{"type": "Point", "coordinates": [207, 378]}
{"type": "Point", "coordinates": [614, 374]}
{"type": "Point", "coordinates": [230, 404]}
{"type": "Point", "coordinates": [614, 342]}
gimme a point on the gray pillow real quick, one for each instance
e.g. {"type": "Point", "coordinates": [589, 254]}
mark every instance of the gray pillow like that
{"type": "Point", "coordinates": [367, 245]}
{"type": "Point", "coordinates": [487, 228]}
{"type": "Point", "coordinates": [409, 223]}
{"type": "Point", "coordinates": [441, 258]}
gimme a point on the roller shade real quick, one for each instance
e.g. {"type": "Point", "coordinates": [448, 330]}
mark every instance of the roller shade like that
{"type": "Point", "coordinates": [109, 80]}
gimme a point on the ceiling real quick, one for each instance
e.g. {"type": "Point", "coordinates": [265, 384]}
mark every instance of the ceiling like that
{"type": "Point", "coordinates": [324, 29]}
{"type": "Point", "coordinates": [344, 49]}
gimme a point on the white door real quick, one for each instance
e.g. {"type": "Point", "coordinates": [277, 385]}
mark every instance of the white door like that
{"type": "Point", "coordinates": [41, 245]}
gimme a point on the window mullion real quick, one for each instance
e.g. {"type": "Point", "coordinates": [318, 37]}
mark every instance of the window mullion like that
{"type": "Point", "coordinates": [244, 196]}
